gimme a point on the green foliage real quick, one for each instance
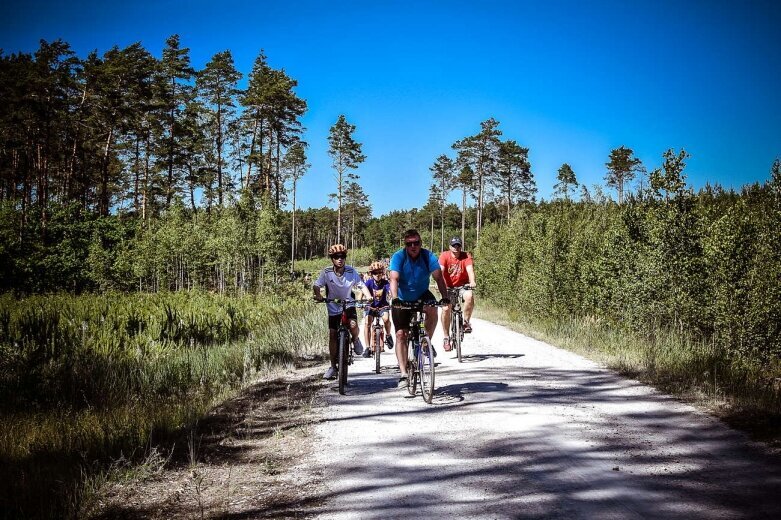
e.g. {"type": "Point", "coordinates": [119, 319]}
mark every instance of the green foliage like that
{"type": "Point", "coordinates": [84, 379]}
{"type": "Point", "coordinates": [706, 266]}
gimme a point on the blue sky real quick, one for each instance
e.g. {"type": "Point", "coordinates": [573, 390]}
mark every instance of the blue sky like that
{"type": "Point", "coordinates": [569, 80]}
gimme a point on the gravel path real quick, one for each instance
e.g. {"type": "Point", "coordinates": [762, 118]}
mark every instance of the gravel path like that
{"type": "Point", "coordinates": [522, 429]}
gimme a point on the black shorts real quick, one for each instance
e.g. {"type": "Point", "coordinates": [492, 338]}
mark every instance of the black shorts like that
{"type": "Point", "coordinates": [333, 321]}
{"type": "Point", "coordinates": [402, 317]}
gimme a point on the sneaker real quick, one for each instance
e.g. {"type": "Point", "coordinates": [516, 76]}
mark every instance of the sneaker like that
{"type": "Point", "coordinates": [467, 327]}
{"type": "Point", "coordinates": [402, 382]}
{"type": "Point", "coordinates": [330, 373]}
{"type": "Point", "coordinates": [446, 345]}
{"type": "Point", "coordinates": [389, 342]}
{"type": "Point", "coordinates": [357, 347]}
{"type": "Point", "coordinates": [367, 353]}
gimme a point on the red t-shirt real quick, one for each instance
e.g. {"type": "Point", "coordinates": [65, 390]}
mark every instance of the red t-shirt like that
{"type": "Point", "coordinates": [454, 270]}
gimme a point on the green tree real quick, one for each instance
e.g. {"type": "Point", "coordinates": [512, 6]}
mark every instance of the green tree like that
{"type": "Point", "coordinates": [174, 92]}
{"type": "Point", "coordinates": [621, 168]}
{"type": "Point", "coordinates": [217, 86]}
{"type": "Point", "coordinates": [346, 155]}
{"type": "Point", "coordinates": [443, 172]}
{"type": "Point", "coordinates": [294, 166]}
{"type": "Point", "coordinates": [670, 178]}
{"type": "Point", "coordinates": [480, 152]}
{"type": "Point", "coordinates": [513, 176]}
{"type": "Point", "coordinates": [567, 182]}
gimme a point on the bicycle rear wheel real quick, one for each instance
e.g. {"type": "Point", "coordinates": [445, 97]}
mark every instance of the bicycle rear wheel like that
{"type": "Point", "coordinates": [426, 364]}
{"type": "Point", "coordinates": [343, 340]}
{"type": "Point", "coordinates": [378, 339]}
{"type": "Point", "coordinates": [456, 334]}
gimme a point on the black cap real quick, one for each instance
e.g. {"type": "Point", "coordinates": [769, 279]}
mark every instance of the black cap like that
{"type": "Point", "coordinates": [456, 241]}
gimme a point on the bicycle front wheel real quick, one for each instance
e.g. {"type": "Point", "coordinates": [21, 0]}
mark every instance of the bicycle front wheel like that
{"type": "Point", "coordinates": [377, 348]}
{"type": "Point", "coordinates": [344, 346]}
{"type": "Point", "coordinates": [412, 372]}
{"type": "Point", "coordinates": [426, 366]}
{"type": "Point", "coordinates": [456, 334]}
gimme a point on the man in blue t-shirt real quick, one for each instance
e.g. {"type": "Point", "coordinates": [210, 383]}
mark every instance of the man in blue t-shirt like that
{"type": "Point", "coordinates": [410, 269]}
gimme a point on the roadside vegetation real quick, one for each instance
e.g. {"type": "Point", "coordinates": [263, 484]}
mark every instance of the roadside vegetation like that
{"type": "Point", "coordinates": [681, 290]}
{"type": "Point", "coordinates": [86, 380]}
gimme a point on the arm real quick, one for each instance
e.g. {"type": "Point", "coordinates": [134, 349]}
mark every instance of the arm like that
{"type": "Point", "coordinates": [317, 296]}
{"type": "Point", "coordinates": [470, 271]}
{"type": "Point", "coordinates": [394, 285]}
{"type": "Point", "coordinates": [437, 275]}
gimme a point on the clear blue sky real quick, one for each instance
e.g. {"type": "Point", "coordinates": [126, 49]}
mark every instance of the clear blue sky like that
{"type": "Point", "coordinates": [570, 80]}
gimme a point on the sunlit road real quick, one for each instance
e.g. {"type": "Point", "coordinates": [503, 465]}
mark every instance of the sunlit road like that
{"type": "Point", "coordinates": [524, 430]}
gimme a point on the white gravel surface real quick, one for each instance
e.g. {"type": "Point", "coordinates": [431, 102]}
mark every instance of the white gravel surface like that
{"type": "Point", "coordinates": [522, 429]}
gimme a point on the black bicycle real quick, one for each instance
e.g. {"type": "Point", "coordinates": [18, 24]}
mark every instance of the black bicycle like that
{"type": "Point", "coordinates": [420, 360]}
{"type": "Point", "coordinates": [456, 295]}
{"type": "Point", "coordinates": [344, 356]}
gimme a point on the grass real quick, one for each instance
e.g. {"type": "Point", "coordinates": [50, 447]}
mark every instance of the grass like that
{"type": "Point", "coordinates": [743, 394]}
{"type": "Point", "coordinates": [87, 381]}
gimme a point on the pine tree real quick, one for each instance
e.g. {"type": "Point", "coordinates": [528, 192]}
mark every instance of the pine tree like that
{"type": "Point", "coordinates": [443, 172]}
{"type": "Point", "coordinates": [174, 91]}
{"type": "Point", "coordinates": [346, 155]}
{"type": "Point", "coordinates": [513, 176]}
{"type": "Point", "coordinates": [480, 152]}
{"type": "Point", "coordinates": [567, 181]}
{"type": "Point", "coordinates": [217, 86]}
{"type": "Point", "coordinates": [621, 168]}
{"type": "Point", "coordinates": [294, 167]}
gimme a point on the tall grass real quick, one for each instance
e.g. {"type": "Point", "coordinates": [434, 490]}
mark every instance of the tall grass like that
{"type": "Point", "coordinates": [84, 379]}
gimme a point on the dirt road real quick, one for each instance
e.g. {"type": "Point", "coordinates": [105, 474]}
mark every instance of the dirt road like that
{"type": "Point", "coordinates": [524, 430]}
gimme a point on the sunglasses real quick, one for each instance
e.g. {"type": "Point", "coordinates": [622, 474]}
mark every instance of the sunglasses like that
{"type": "Point", "coordinates": [377, 272]}
{"type": "Point", "coordinates": [455, 245]}
{"type": "Point", "coordinates": [412, 243]}
{"type": "Point", "coordinates": [338, 257]}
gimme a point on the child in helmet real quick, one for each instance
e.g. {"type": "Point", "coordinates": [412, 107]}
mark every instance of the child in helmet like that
{"type": "Point", "coordinates": [379, 287]}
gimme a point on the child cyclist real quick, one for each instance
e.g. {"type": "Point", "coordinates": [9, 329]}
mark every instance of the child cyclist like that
{"type": "Point", "coordinates": [379, 286]}
{"type": "Point", "coordinates": [339, 280]}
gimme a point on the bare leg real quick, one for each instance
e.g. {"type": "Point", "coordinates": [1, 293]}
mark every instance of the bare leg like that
{"type": "Point", "coordinates": [431, 321]}
{"type": "Point", "coordinates": [401, 351]}
{"type": "Point", "coordinates": [446, 321]}
{"type": "Point", "coordinates": [469, 304]}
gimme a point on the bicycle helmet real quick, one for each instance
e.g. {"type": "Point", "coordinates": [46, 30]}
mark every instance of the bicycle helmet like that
{"type": "Point", "coordinates": [376, 266]}
{"type": "Point", "coordinates": [336, 248]}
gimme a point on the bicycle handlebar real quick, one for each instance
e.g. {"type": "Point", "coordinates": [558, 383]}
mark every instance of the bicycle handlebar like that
{"type": "Point", "coordinates": [417, 304]}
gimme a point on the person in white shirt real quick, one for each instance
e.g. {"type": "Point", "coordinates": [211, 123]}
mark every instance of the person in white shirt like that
{"type": "Point", "coordinates": [339, 280]}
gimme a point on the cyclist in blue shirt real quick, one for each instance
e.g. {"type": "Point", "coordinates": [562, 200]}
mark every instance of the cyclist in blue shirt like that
{"type": "Point", "coordinates": [410, 271]}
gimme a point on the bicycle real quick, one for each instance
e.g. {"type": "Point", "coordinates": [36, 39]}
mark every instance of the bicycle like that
{"type": "Point", "coordinates": [456, 295]}
{"type": "Point", "coordinates": [344, 357]}
{"type": "Point", "coordinates": [378, 335]}
{"type": "Point", "coordinates": [420, 361]}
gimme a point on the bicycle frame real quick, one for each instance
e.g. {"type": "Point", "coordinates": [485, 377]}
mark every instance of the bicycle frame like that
{"type": "Point", "coordinates": [377, 336]}
{"type": "Point", "coordinates": [420, 360]}
{"type": "Point", "coordinates": [456, 295]}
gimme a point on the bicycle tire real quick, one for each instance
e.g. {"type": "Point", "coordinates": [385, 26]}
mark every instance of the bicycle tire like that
{"type": "Point", "coordinates": [377, 348]}
{"type": "Point", "coordinates": [426, 367]}
{"type": "Point", "coordinates": [457, 335]}
{"type": "Point", "coordinates": [412, 373]}
{"type": "Point", "coordinates": [344, 346]}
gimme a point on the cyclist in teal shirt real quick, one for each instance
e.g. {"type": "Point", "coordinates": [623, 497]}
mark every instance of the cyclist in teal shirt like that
{"type": "Point", "coordinates": [410, 271]}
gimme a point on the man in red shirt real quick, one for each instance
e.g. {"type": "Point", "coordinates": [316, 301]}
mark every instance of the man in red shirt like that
{"type": "Point", "coordinates": [457, 270]}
